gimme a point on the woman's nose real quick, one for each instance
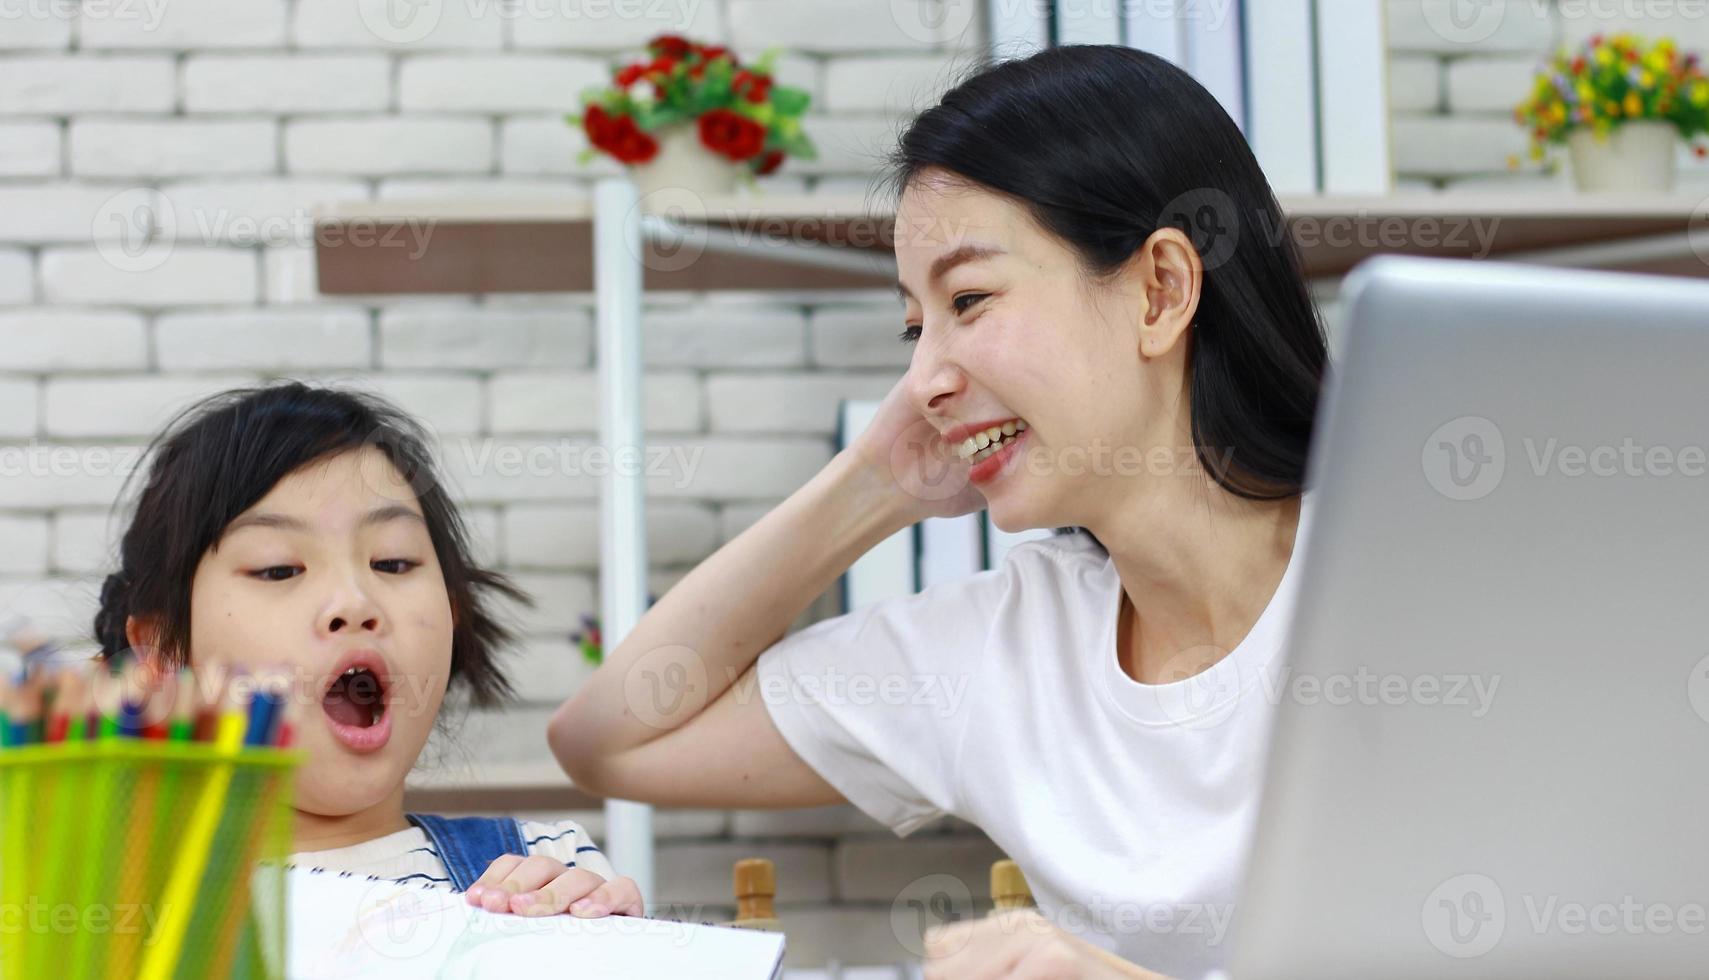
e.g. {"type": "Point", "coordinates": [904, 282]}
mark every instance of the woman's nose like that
{"type": "Point", "coordinates": [934, 380]}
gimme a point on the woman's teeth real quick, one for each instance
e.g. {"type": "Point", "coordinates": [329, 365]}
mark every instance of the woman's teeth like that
{"type": "Point", "coordinates": [992, 440]}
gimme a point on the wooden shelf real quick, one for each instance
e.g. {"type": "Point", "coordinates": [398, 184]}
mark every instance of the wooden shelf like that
{"type": "Point", "coordinates": [546, 245]}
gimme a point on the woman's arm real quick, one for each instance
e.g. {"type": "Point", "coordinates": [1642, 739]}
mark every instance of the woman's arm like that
{"type": "Point", "coordinates": [673, 715]}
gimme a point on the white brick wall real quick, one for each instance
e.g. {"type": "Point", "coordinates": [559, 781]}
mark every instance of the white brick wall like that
{"type": "Point", "coordinates": [174, 148]}
{"type": "Point", "coordinates": [267, 341]}
{"type": "Point", "coordinates": [38, 27]}
{"type": "Point", "coordinates": [567, 535]}
{"type": "Point", "coordinates": [18, 409]}
{"type": "Point", "coordinates": [496, 83]}
{"type": "Point", "coordinates": [67, 339]}
{"type": "Point", "coordinates": [788, 402]}
{"type": "Point", "coordinates": [753, 337]}
{"type": "Point", "coordinates": [17, 277]}
{"type": "Point", "coordinates": [832, 26]}
{"type": "Point", "coordinates": [287, 83]}
{"type": "Point", "coordinates": [366, 24]}
{"type": "Point", "coordinates": [183, 24]}
{"type": "Point", "coordinates": [1489, 84]}
{"type": "Point", "coordinates": [389, 145]}
{"type": "Point", "coordinates": [29, 149]}
{"type": "Point", "coordinates": [23, 540]}
{"type": "Point", "coordinates": [61, 85]}
{"type": "Point", "coordinates": [472, 339]}
{"type": "Point", "coordinates": [43, 212]}
{"type": "Point", "coordinates": [613, 27]}
{"type": "Point", "coordinates": [553, 401]}
{"type": "Point", "coordinates": [889, 84]}
{"type": "Point", "coordinates": [185, 276]}
{"type": "Point", "coordinates": [134, 406]}
{"type": "Point", "coordinates": [858, 337]}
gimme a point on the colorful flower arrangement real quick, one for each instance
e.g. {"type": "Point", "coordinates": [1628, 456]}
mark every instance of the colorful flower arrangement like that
{"type": "Point", "coordinates": [741, 113]}
{"type": "Point", "coordinates": [1611, 81]}
{"type": "Point", "coordinates": [590, 641]}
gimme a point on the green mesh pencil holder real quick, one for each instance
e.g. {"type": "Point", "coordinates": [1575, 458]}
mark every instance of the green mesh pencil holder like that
{"type": "Point", "coordinates": [148, 859]}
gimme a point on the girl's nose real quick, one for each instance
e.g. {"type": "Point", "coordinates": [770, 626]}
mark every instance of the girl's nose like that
{"type": "Point", "coordinates": [351, 610]}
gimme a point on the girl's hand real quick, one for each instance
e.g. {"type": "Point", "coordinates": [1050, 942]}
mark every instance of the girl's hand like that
{"type": "Point", "coordinates": [1020, 945]}
{"type": "Point", "coordinates": [911, 459]}
{"type": "Point", "coordinates": [539, 885]}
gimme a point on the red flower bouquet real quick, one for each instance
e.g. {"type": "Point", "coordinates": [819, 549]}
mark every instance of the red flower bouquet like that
{"type": "Point", "coordinates": [739, 111]}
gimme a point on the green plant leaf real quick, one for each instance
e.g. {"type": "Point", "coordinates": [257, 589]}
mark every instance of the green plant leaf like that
{"type": "Point", "coordinates": [798, 145]}
{"type": "Point", "coordinates": [790, 101]}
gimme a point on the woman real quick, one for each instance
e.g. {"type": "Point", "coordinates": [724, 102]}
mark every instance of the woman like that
{"type": "Point", "coordinates": [1095, 280]}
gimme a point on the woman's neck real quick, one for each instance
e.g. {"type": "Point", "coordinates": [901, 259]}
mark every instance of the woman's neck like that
{"type": "Point", "coordinates": [1198, 566]}
{"type": "Point", "coordinates": [317, 832]}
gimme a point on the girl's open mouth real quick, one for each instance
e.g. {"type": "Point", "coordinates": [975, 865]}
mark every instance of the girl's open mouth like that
{"type": "Point", "coordinates": [355, 702]}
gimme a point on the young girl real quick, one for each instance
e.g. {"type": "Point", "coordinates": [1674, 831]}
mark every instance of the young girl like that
{"type": "Point", "coordinates": [304, 528]}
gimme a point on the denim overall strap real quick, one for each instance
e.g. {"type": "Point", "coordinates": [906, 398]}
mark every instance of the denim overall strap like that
{"type": "Point", "coordinates": [467, 845]}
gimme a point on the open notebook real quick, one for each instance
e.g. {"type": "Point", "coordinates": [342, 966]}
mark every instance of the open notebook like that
{"type": "Point", "coordinates": [350, 927]}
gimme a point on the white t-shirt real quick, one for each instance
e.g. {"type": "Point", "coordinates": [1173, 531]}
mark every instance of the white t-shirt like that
{"type": "Point", "coordinates": [408, 855]}
{"type": "Point", "coordinates": [999, 699]}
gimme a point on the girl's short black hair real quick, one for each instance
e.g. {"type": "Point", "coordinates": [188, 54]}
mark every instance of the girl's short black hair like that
{"type": "Point", "coordinates": [220, 456]}
{"type": "Point", "coordinates": [1103, 145]}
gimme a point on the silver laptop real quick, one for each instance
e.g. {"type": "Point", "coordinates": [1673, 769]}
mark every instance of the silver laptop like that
{"type": "Point", "coordinates": [1491, 751]}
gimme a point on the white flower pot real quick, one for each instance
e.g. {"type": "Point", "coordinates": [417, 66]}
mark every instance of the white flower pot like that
{"type": "Point", "coordinates": [685, 162]}
{"type": "Point", "coordinates": [1635, 157]}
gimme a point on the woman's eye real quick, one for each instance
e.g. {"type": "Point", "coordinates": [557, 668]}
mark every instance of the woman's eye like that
{"type": "Point", "coordinates": [395, 566]}
{"type": "Point", "coordinates": [276, 573]}
{"type": "Point", "coordinates": [966, 300]}
{"type": "Point", "coordinates": [909, 334]}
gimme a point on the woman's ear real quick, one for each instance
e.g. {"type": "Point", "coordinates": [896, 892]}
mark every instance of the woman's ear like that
{"type": "Point", "coordinates": [142, 634]}
{"type": "Point", "coordinates": [1170, 276]}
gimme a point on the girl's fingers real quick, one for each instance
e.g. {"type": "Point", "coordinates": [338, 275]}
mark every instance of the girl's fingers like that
{"type": "Point", "coordinates": [524, 876]}
{"type": "Point", "coordinates": [489, 878]}
{"type": "Point", "coordinates": [556, 895]}
{"type": "Point", "coordinates": [619, 896]}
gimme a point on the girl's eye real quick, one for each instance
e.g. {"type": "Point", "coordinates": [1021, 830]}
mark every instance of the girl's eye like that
{"type": "Point", "coordinates": [909, 334]}
{"type": "Point", "coordinates": [396, 566]}
{"type": "Point", "coordinates": [276, 573]}
{"type": "Point", "coordinates": [969, 298]}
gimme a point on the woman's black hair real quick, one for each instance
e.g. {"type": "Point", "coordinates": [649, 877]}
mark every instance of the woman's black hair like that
{"type": "Point", "coordinates": [1103, 145]}
{"type": "Point", "coordinates": [219, 457]}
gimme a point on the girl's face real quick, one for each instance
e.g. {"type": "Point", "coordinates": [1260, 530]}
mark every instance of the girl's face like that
{"type": "Point", "coordinates": [1010, 330]}
{"type": "Point", "coordinates": [333, 576]}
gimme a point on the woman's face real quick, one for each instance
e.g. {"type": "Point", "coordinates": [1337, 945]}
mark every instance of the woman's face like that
{"type": "Point", "coordinates": [333, 576]}
{"type": "Point", "coordinates": [1088, 373]}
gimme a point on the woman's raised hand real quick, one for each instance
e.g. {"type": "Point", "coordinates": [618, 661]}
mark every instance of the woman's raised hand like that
{"type": "Point", "coordinates": [906, 451]}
